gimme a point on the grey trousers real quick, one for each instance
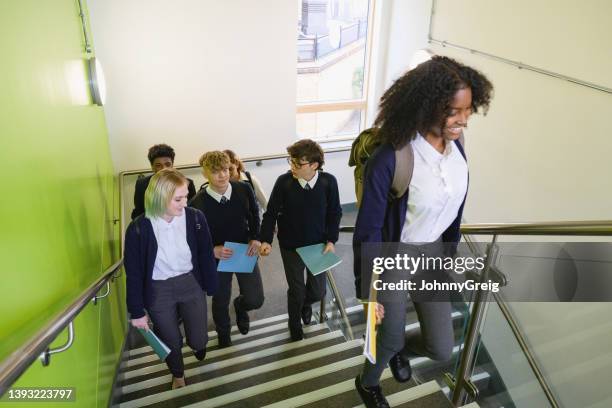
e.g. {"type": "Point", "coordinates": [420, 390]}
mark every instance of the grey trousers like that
{"type": "Point", "coordinates": [179, 296]}
{"type": "Point", "coordinates": [435, 338]}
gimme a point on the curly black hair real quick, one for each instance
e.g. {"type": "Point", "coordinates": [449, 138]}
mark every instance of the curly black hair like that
{"type": "Point", "coordinates": [160, 150]}
{"type": "Point", "coordinates": [420, 100]}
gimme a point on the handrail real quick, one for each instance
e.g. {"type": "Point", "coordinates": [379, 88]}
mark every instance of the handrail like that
{"type": "Point", "coordinates": [244, 160]}
{"type": "Point", "coordinates": [516, 64]}
{"type": "Point", "coordinates": [19, 361]}
{"type": "Point", "coordinates": [586, 228]}
{"type": "Point", "coordinates": [593, 228]}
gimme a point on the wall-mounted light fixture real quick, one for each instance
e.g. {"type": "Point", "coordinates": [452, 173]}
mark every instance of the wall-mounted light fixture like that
{"type": "Point", "coordinates": [97, 83]}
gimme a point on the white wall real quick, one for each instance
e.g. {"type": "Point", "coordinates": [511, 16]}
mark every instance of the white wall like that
{"type": "Point", "coordinates": [402, 30]}
{"type": "Point", "coordinates": [196, 74]}
{"type": "Point", "coordinates": [543, 151]}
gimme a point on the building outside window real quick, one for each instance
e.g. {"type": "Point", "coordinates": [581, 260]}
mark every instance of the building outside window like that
{"type": "Point", "coordinates": [332, 66]}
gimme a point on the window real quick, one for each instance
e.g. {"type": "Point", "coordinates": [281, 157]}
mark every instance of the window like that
{"type": "Point", "coordinates": [332, 66]}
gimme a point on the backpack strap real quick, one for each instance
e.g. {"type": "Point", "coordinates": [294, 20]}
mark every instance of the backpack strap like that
{"type": "Point", "coordinates": [404, 165]}
{"type": "Point", "coordinates": [250, 179]}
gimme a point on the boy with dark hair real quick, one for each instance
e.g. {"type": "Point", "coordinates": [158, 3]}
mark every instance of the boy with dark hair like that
{"type": "Point", "coordinates": [232, 215]}
{"type": "Point", "coordinates": [161, 156]}
{"type": "Point", "coordinates": [306, 204]}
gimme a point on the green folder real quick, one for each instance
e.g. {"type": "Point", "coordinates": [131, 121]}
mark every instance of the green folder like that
{"type": "Point", "coordinates": [158, 346]}
{"type": "Point", "coordinates": [316, 261]}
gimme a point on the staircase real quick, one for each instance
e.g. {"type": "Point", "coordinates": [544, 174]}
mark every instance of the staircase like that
{"type": "Point", "coordinates": [265, 369]}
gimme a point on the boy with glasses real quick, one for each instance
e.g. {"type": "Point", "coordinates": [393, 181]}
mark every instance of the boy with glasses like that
{"type": "Point", "coordinates": [306, 205]}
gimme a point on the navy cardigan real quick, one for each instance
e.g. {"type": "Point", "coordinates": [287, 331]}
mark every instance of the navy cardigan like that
{"type": "Point", "coordinates": [381, 220]}
{"type": "Point", "coordinates": [141, 250]}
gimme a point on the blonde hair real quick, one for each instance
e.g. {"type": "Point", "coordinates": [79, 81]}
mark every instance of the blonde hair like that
{"type": "Point", "coordinates": [215, 161]}
{"type": "Point", "coordinates": [160, 191]}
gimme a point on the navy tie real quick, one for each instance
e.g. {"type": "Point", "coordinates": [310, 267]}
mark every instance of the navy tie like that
{"type": "Point", "coordinates": [307, 187]}
{"type": "Point", "coordinates": [224, 200]}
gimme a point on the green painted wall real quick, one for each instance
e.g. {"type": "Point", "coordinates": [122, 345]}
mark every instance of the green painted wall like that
{"type": "Point", "coordinates": [59, 196]}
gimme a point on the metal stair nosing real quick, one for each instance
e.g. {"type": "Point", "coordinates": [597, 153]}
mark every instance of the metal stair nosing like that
{"type": "Point", "coordinates": [218, 352]}
{"type": "Point", "coordinates": [212, 335]}
{"type": "Point", "coordinates": [164, 396]}
{"type": "Point", "coordinates": [186, 349]}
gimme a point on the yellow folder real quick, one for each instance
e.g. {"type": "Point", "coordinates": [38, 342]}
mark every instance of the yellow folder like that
{"type": "Point", "coordinates": [369, 349]}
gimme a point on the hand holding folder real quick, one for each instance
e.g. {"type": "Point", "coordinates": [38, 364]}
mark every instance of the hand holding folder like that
{"type": "Point", "coordinates": [240, 261]}
{"type": "Point", "coordinates": [315, 260]}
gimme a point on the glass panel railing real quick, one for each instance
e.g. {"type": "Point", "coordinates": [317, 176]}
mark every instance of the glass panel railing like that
{"type": "Point", "coordinates": [343, 310]}
{"type": "Point", "coordinates": [544, 339]}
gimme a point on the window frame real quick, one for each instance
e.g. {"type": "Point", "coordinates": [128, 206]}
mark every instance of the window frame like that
{"type": "Point", "coordinates": [348, 104]}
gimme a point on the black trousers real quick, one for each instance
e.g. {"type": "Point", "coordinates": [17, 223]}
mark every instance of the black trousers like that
{"type": "Point", "coordinates": [251, 297]}
{"type": "Point", "coordinates": [179, 296]}
{"type": "Point", "coordinates": [300, 293]}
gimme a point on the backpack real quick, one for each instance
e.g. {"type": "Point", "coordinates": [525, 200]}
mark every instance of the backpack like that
{"type": "Point", "coordinates": [364, 146]}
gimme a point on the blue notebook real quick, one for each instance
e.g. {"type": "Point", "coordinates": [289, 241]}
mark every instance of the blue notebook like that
{"type": "Point", "coordinates": [240, 261]}
{"type": "Point", "coordinates": [158, 346]}
{"type": "Point", "coordinates": [316, 261]}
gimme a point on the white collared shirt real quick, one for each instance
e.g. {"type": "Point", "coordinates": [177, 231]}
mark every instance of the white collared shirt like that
{"type": "Point", "coordinates": [437, 189]}
{"type": "Point", "coordinates": [217, 196]}
{"type": "Point", "coordinates": [311, 182]}
{"type": "Point", "coordinates": [173, 254]}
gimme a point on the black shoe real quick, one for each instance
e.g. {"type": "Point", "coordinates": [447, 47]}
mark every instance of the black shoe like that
{"type": "Point", "coordinates": [200, 354]}
{"type": "Point", "coordinates": [242, 317]}
{"type": "Point", "coordinates": [224, 340]}
{"type": "Point", "coordinates": [400, 368]}
{"type": "Point", "coordinates": [306, 314]}
{"type": "Point", "coordinates": [372, 397]}
{"type": "Point", "coordinates": [296, 335]}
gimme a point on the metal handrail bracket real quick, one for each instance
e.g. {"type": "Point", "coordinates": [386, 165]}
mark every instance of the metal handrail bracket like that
{"type": "Point", "coordinates": [19, 361]}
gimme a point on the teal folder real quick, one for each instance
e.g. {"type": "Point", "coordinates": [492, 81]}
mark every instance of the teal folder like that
{"type": "Point", "coordinates": [316, 261]}
{"type": "Point", "coordinates": [240, 261]}
{"type": "Point", "coordinates": [158, 346]}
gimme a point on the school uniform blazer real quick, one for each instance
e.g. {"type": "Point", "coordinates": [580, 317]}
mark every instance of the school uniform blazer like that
{"type": "Point", "coordinates": [141, 250]}
{"type": "Point", "coordinates": [380, 219]}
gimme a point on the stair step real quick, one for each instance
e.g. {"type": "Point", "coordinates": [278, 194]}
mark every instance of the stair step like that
{"type": "Point", "coordinates": [186, 350]}
{"type": "Point", "coordinates": [263, 368]}
{"type": "Point", "coordinates": [212, 335]}
{"type": "Point", "coordinates": [241, 397]}
{"type": "Point", "coordinates": [344, 394]}
{"type": "Point", "coordinates": [321, 357]}
{"type": "Point", "coordinates": [265, 342]}
{"type": "Point", "coordinates": [211, 368]}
